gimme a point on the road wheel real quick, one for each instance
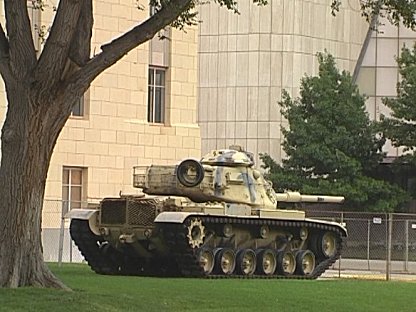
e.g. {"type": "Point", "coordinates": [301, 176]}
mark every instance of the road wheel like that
{"type": "Point", "coordinates": [266, 262]}
{"type": "Point", "coordinates": [286, 263]}
{"type": "Point", "coordinates": [206, 260]}
{"type": "Point", "coordinates": [305, 262]}
{"type": "Point", "coordinates": [225, 261]}
{"type": "Point", "coordinates": [246, 261]}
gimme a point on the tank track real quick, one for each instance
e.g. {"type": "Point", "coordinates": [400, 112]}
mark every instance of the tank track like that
{"type": "Point", "coordinates": [113, 262]}
{"type": "Point", "coordinates": [89, 245]}
{"type": "Point", "coordinates": [186, 257]}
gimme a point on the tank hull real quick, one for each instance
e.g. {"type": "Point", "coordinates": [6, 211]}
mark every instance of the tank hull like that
{"type": "Point", "coordinates": [176, 237]}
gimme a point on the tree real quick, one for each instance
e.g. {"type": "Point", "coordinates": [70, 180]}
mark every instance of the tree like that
{"type": "Point", "coordinates": [41, 92]}
{"type": "Point", "coordinates": [400, 127]}
{"type": "Point", "coordinates": [331, 146]}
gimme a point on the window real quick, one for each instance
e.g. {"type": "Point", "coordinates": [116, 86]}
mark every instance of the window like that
{"type": "Point", "coordinates": [72, 187]}
{"type": "Point", "coordinates": [156, 96]}
{"type": "Point", "coordinates": [78, 109]}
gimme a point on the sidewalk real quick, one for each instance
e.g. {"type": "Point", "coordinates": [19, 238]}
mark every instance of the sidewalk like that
{"type": "Point", "coordinates": [367, 275]}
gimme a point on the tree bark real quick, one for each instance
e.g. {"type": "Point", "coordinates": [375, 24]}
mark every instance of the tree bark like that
{"type": "Point", "coordinates": [27, 147]}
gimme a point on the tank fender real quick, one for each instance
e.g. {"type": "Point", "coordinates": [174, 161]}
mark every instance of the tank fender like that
{"type": "Point", "coordinates": [174, 216]}
{"type": "Point", "coordinates": [86, 214]}
{"type": "Point", "coordinates": [341, 226]}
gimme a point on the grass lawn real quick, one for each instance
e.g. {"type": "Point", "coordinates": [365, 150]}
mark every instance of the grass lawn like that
{"type": "Point", "coordinates": [92, 292]}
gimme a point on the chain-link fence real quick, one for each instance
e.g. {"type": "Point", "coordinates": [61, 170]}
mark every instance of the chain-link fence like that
{"type": "Point", "coordinates": [57, 243]}
{"type": "Point", "coordinates": [378, 245]}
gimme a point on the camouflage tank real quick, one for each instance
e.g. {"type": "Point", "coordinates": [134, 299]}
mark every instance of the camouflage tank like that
{"type": "Point", "coordinates": [214, 217]}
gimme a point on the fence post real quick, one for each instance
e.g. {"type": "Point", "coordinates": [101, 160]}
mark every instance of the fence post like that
{"type": "Point", "coordinates": [406, 245]}
{"type": "Point", "coordinates": [368, 244]}
{"type": "Point", "coordinates": [339, 260]}
{"type": "Point", "coordinates": [70, 249]}
{"type": "Point", "coordinates": [389, 234]}
{"type": "Point", "coordinates": [62, 232]}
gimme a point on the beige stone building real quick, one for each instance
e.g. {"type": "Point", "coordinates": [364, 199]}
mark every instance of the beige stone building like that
{"type": "Point", "coordinates": [142, 110]}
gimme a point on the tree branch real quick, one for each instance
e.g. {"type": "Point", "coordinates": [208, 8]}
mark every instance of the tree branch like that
{"type": "Point", "coordinates": [115, 50]}
{"type": "Point", "coordinates": [80, 47]}
{"type": "Point", "coordinates": [21, 48]}
{"type": "Point", "coordinates": [55, 53]}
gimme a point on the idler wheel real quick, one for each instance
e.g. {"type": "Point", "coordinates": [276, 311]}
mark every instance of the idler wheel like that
{"type": "Point", "coordinates": [326, 244]}
{"type": "Point", "coordinates": [329, 244]}
{"type": "Point", "coordinates": [305, 262]}
{"type": "Point", "coordinates": [246, 261]}
{"type": "Point", "coordinates": [225, 261]}
{"type": "Point", "coordinates": [206, 260]}
{"type": "Point", "coordinates": [190, 173]}
{"type": "Point", "coordinates": [286, 263]}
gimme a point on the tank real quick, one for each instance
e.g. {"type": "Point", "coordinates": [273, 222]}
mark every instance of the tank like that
{"type": "Point", "coordinates": [213, 217]}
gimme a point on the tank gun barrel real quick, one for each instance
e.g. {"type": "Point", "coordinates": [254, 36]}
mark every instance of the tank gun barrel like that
{"type": "Point", "coordinates": [295, 197]}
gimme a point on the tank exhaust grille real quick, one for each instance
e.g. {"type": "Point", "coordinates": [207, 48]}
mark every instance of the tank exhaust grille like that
{"type": "Point", "coordinates": [141, 212]}
{"type": "Point", "coordinates": [113, 211]}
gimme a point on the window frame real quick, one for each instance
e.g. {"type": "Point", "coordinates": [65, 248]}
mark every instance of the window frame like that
{"type": "Point", "coordinates": [68, 203]}
{"type": "Point", "coordinates": [156, 110]}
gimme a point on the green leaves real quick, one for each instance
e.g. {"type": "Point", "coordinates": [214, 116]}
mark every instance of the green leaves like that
{"type": "Point", "coordinates": [331, 145]}
{"type": "Point", "coordinates": [395, 11]}
{"type": "Point", "coordinates": [400, 128]}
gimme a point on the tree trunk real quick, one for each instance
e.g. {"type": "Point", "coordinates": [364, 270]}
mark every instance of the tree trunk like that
{"type": "Point", "coordinates": [27, 144]}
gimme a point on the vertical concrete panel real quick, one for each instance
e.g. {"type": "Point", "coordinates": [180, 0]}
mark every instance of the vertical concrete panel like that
{"type": "Point", "coordinates": [222, 104]}
{"type": "Point", "coordinates": [253, 68]}
{"type": "Point", "coordinates": [264, 69]}
{"type": "Point", "coordinates": [241, 103]}
{"type": "Point", "coordinates": [212, 107]}
{"type": "Point", "coordinates": [232, 69]}
{"type": "Point", "coordinates": [277, 16]}
{"type": "Point", "coordinates": [222, 70]}
{"type": "Point", "coordinates": [253, 105]}
{"type": "Point", "coordinates": [242, 69]}
{"type": "Point", "coordinates": [254, 18]}
{"type": "Point", "coordinates": [231, 104]}
{"type": "Point", "coordinates": [265, 20]}
{"type": "Point", "coordinates": [243, 19]}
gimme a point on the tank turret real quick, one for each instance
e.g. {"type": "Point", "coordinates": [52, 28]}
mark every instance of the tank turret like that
{"type": "Point", "coordinates": [222, 175]}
